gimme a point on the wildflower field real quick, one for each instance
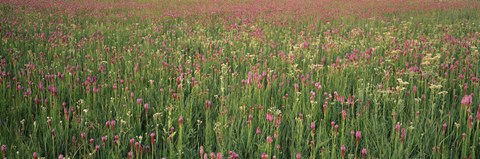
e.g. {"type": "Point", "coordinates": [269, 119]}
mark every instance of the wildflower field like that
{"type": "Point", "coordinates": [239, 79]}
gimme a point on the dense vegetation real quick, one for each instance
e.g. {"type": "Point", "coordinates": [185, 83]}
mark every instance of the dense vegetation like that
{"type": "Point", "coordinates": [239, 79]}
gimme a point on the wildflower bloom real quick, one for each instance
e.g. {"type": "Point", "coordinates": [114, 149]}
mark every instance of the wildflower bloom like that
{"type": "Point", "coordinates": [364, 152]}
{"type": "Point", "coordinates": [130, 155]}
{"type": "Point", "coordinates": [343, 149]}
{"type": "Point", "coordinates": [269, 117]}
{"type": "Point", "coordinates": [112, 124]}
{"type": "Point", "coordinates": [325, 104]}
{"type": "Point", "coordinates": [35, 156]}
{"type": "Point", "coordinates": [4, 149]}
{"type": "Point", "coordinates": [104, 139]}
{"type": "Point", "coordinates": [312, 95]}
{"type": "Point", "coordinates": [258, 130]}
{"type": "Point", "coordinates": [467, 100]}
{"type": "Point", "coordinates": [132, 141]}
{"type": "Point", "coordinates": [358, 135]}
{"type": "Point", "coordinates": [298, 156]}
{"type": "Point", "coordinates": [152, 138]}
{"type": "Point", "coordinates": [137, 146]}
{"type": "Point", "coordinates": [146, 106]}
{"type": "Point", "coordinates": [53, 90]}
{"type": "Point", "coordinates": [116, 137]}
{"type": "Point", "coordinates": [208, 104]}
{"type": "Point", "coordinates": [250, 117]}
{"type": "Point", "coordinates": [306, 45]}
{"type": "Point", "coordinates": [232, 155]}
{"type": "Point", "coordinates": [40, 86]}
{"type": "Point", "coordinates": [264, 156]}
{"type": "Point", "coordinates": [344, 114]}
{"type": "Point", "coordinates": [269, 139]}
{"type": "Point", "coordinates": [180, 120]}
{"type": "Point", "coordinates": [278, 120]}
{"type": "Point", "coordinates": [83, 135]}
{"type": "Point", "coordinates": [107, 124]}
{"type": "Point", "coordinates": [147, 149]}
{"type": "Point", "coordinates": [202, 151]}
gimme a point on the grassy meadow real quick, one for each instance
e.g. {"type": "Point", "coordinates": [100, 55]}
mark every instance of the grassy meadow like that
{"type": "Point", "coordinates": [239, 79]}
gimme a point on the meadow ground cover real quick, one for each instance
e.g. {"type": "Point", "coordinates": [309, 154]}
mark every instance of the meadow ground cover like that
{"type": "Point", "coordinates": [239, 79]}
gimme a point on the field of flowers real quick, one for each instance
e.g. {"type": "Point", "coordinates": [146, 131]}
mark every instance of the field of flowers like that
{"type": "Point", "coordinates": [239, 79]}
